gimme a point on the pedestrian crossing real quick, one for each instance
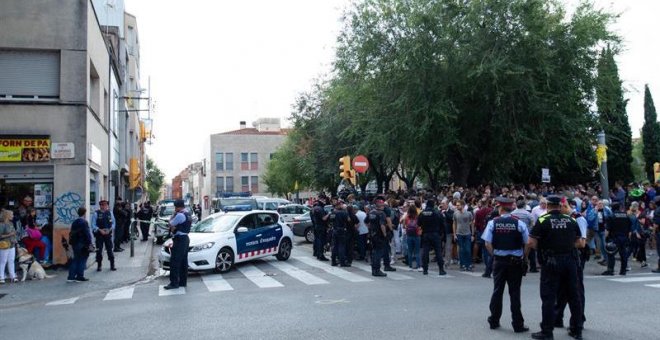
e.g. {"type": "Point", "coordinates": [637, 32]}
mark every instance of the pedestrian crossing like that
{"type": "Point", "coordinates": [650, 280]}
{"type": "Point", "coordinates": [262, 274]}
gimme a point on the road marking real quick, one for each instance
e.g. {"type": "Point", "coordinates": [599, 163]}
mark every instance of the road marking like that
{"type": "Point", "coordinates": [63, 302]}
{"type": "Point", "coordinates": [297, 273]}
{"type": "Point", "coordinates": [258, 277]}
{"type": "Point", "coordinates": [391, 275]}
{"type": "Point", "coordinates": [164, 292]}
{"type": "Point", "coordinates": [215, 283]}
{"type": "Point", "coordinates": [122, 293]}
{"type": "Point", "coordinates": [657, 285]}
{"type": "Point", "coordinates": [340, 273]}
{"type": "Point", "coordinates": [609, 277]}
{"type": "Point", "coordinates": [636, 279]}
{"type": "Point", "coordinates": [471, 274]}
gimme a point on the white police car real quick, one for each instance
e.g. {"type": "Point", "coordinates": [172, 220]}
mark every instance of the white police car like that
{"type": "Point", "coordinates": [225, 238]}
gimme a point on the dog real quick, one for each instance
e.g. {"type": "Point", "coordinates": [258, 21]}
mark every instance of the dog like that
{"type": "Point", "coordinates": [30, 267]}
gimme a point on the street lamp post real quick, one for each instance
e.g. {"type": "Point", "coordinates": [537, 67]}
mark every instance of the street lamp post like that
{"type": "Point", "coordinates": [601, 154]}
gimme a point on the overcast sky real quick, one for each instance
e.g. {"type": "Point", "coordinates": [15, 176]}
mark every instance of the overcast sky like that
{"type": "Point", "coordinates": [214, 63]}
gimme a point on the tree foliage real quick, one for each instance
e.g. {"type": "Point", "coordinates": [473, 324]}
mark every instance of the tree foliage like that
{"type": "Point", "coordinates": [650, 135]}
{"type": "Point", "coordinates": [155, 179]}
{"type": "Point", "coordinates": [613, 118]}
{"type": "Point", "coordinates": [463, 91]}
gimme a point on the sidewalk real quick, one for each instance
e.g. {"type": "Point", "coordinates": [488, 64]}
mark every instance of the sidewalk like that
{"type": "Point", "coordinates": [129, 270]}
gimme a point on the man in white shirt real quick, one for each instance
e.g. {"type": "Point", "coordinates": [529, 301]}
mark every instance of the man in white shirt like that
{"type": "Point", "coordinates": [363, 230]}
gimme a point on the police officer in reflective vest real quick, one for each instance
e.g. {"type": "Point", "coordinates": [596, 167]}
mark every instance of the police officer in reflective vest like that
{"type": "Point", "coordinates": [320, 222]}
{"type": "Point", "coordinates": [433, 232]}
{"type": "Point", "coordinates": [103, 227]}
{"type": "Point", "coordinates": [378, 235]}
{"type": "Point", "coordinates": [619, 229]}
{"type": "Point", "coordinates": [339, 221]}
{"type": "Point", "coordinates": [556, 236]}
{"type": "Point", "coordinates": [505, 238]}
{"type": "Point", "coordinates": [179, 227]}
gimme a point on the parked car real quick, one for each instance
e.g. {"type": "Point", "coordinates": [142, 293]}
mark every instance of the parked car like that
{"type": "Point", "coordinates": [302, 225]}
{"type": "Point", "coordinates": [265, 203]}
{"type": "Point", "coordinates": [224, 239]}
{"type": "Point", "coordinates": [231, 203]}
{"type": "Point", "coordinates": [289, 211]}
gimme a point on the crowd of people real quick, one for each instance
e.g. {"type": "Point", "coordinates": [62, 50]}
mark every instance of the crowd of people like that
{"type": "Point", "coordinates": [464, 226]}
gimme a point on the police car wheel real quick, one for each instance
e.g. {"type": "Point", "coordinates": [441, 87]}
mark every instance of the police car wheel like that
{"type": "Point", "coordinates": [309, 235]}
{"type": "Point", "coordinates": [224, 261]}
{"type": "Point", "coordinates": [285, 250]}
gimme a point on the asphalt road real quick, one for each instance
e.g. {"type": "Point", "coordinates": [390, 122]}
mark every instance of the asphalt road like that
{"type": "Point", "coordinates": [305, 299]}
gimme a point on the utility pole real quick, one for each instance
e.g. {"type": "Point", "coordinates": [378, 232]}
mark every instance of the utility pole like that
{"type": "Point", "coordinates": [601, 155]}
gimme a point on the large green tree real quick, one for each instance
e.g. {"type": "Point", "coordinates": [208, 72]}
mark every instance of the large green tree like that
{"type": "Point", "coordinates": [650, 135]}
{"type": "Point", "coordinates": [155, 179]}
{"type": "Point", "coordinates": [613, 118]}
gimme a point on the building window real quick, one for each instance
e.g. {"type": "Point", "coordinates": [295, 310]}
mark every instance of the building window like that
{"type": "Point", "coordinates": [219, 185]}
{"type": "Point", "coordinates": [219, 161]}
{"type": "Point", "coordinates": [255, 184]}
{"type": "Point", "coordinates": [230, 184]}
{"type": "Point", "coordinates": [29, 75]}
{"type": "Point", "coordinates": [245, 162]}
{"type": "Point", "coordinates": [229, 161]}
{"type": "Point", "coordinates": [254, 161]}
{"type": "Point", "coordinates": [245, 183]}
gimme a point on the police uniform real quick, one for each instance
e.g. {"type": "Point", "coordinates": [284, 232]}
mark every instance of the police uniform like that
{"type": "Point", "coordinates": [320, 229]}
{"type": "Point", "coordinates": [181, 222]}
{"type": "Point", "coordinates": [556, 235]}
{"type": "Point", "coordinates": [339, 221]}
{"type": "Point", "coordinates": [433, 231]}
{"type": "Point", "coordinates": [104, 220]}
{"type": "Point", "coordinates": [583, 254]}
{"type": "Point", "coordinates": [377, 220]}
{"type": "Point", "coordinates": [619, 228]}
{"type": "Point", "coordinates": [506, 236]}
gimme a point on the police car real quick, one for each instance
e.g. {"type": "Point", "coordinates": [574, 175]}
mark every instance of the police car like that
{"type": "Point", "coordinates": [223, 239]}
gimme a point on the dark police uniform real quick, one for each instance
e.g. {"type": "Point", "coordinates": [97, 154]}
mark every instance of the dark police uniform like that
{"type": "Point", "coordinates": [144, 214]}
{"type": "Point", "coordinates": [583, 254]}
{"type": "Point", "coordinates": [508, 237]}
{"type": "Point", "coordinates": [181, 222]}
{"type": "Point", "coordinates": [556, 234]}
{"type": "Point", "coordinates": [320, 229]}
{"type": "Point", "coordinates": [433, 232]}
{"type": "Point", "coordinates": [104, 222]}
{"type": "Point", "coordinates": [377, 220]}
{"type": "Point", "coordinates": [339, 221]}
{"type": "Point", "coordinates": [619, 228]}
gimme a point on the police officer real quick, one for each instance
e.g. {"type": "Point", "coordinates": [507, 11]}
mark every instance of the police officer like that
{"type": "Point", "coordinates": [569, 208]}
{"type": "Point", "coordinates": [433, 231]}
{"type": "Point", "coordinates": [179, 227]}
{"type": "Point", "coordinates": [339, 220]}
{"type": "Point", "coordinates": [618, 230]}
{"type": "Point", "coordinates": [505, 238]}
{"type": "Point", "coordinates": [656, 226]}
{"type": "Point", "coordinates": [556, 236]}
{"type": "Point", "coordinates": [103, 227]}
{"type": "Point", "coordinates": [320, 224]}
{"type": "Point", "coordinates": [378, 235]}
{"type": "Point", "coordinates": [144, 215]}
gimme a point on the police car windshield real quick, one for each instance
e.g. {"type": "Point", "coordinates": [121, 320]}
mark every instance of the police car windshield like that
{"type": "Point", "coordinates": [215, 224]}
{"type": "Point", "coordinates": [167, 210]}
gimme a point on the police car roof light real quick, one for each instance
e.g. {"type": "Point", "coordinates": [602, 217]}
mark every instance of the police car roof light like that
{"type": "Point", "coordinates": [237, 208]}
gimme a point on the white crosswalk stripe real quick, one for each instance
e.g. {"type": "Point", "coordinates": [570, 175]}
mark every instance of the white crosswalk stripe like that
{"type": "Point", "coordinates": [122, 293]}
{"type": "Point", "coordinates": [390, 275]}
{"type": "Point", "coordinates": [636, 279]}
{"type": "Point", "coordinates": [216, 283]}
{"type": "Point", "coordinates": [656, 285]}
{"type": "Point", "coordinates": [63, 302]}
{"type": "Point", "coordinates": [164, 292]}
{"type": "Point", "coordinates": [340, 273]}
{"type": "Point", "coordinates": [297, 273]}
{"type": "Point", "coordinates": [258, 277]}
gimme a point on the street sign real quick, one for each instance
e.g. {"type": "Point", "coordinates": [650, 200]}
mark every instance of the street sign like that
{"type": "Point", "coordinates": [360, 164]}
{"type": "Point", "coordinates": [545, 175]}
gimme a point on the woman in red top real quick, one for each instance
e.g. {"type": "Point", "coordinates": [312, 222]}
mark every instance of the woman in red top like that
{"type": "Point", "coordinates": [33, 241]}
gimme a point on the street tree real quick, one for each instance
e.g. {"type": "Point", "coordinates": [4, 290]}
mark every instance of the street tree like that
{"type": "Point", "coordinates": [154, 180]}
{"type": "Point", "coordinates": [650, 135]}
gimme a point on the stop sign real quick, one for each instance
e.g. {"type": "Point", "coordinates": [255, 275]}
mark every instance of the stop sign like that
{"type": "Point", "coordinates": [360, 164]}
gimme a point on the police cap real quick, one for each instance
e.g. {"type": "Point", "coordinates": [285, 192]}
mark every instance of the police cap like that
{"type": "Point", "coordinates": [179, 204]}
{"type": "Point", "coordinates": [504, 202]}
{"type": "Point", "coordinates": [554, 200]}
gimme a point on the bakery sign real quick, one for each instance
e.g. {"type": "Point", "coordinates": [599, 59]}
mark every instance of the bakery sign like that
{"type": "Point", "coordinates": [24, 148]}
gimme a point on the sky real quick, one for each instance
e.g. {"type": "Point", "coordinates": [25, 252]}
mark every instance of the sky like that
{"type": "Point", "coordinates": [214, 63]}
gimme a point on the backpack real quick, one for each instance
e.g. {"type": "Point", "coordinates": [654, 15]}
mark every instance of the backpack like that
{"type": "Point", "coordinates": [411, 226]}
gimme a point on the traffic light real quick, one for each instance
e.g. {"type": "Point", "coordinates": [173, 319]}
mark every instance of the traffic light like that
{"type": "Point", "coordinates": [345, 167]}
{"type": "Point", "coordinates": [353, 178]}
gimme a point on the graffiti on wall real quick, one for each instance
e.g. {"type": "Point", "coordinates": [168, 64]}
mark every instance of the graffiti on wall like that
{"type": "Point", "coordinates": [66, 207]}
